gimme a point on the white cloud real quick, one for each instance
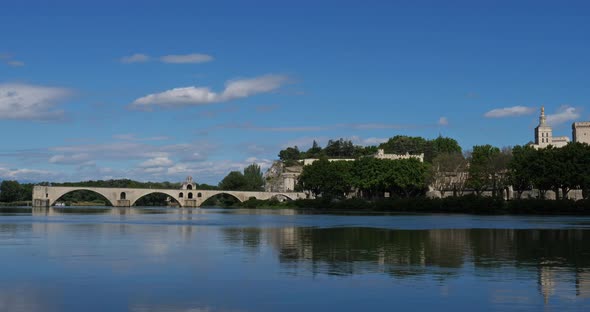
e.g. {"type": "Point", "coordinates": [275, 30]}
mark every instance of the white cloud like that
{"type": "Point", "coordinates": [373, 141]}
{"type": "Point", "coordinates": [133, 137]}
{"type": "Point", "coordinates": [370, 126]}
{"type": "Point", "coordinates": [203, 95]}
{"type": "Point", "coordinates": [26, 174]}
{"type": "Point", "coordinates": [157, 162]}
{"type": "Point", "coordinates": [564, 114]}
{"type": "Point", "coordinates": [196, 156]}
{"type": "Point", "coordinates": [443, 121]}
{"type": "Point", "coordinates": [30, 102]}
{"type": "Point", "coordinates": [74, 159]}
{"type": "Point", "coordinates": [15, 63]}
{"type": "Point", "coordinates": [135, 58]}
{"type": "Point", "coordinates": [510, 112]}
{"type": "Point", "coordinates": [214, 169]}
{"type": "Point", "coordinates": [186, 58]}
{"type": "Point", "coordinates": [177, 97]}
{"type": "Point", "coordinates": [241, 88]}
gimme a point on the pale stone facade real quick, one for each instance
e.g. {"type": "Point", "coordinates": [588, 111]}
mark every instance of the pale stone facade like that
{"type": "Point", "coordinates": [381, 155]}
{"type": "Point", "coordinates": [188, 184]}
{"type": "Point", "coordinates": [581, 132]}
{"type": "Point", "coordinates": [544, 134]}
{"type": "Point", "coordinates": [289, 181]}
{"type": "Point", "coordinates": [279, 178]}
{"type": "Point", "coordinates": [309, 161]}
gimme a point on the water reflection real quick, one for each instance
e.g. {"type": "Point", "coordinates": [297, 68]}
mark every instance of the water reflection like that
{"type": "Point", "coordinates": [60, 211]}
{"type": "Point", "coordinates": [162, 259]}
{"type": "Point", "coordinates": [559, 258]}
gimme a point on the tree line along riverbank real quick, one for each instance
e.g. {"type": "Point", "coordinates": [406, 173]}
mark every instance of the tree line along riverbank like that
{"type": "Point", "coordinates": [470, 204]}
{"type": "Point", "coordinates": [445, 169]}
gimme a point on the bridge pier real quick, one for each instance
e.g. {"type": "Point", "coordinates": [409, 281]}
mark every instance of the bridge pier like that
{"type": "Point", "coordinates": [41, 203]}
{"type": "Point", "coordinates": [123, 203]}
{"type": "Point", "coordinates": [190, 203]}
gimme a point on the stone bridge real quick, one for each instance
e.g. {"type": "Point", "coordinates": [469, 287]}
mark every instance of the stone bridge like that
{"type": "Point", "coordinates": [46, 196]}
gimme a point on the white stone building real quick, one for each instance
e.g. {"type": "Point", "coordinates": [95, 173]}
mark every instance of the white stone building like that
{"type": "Point", "coordinates": [544, 134]}
{"type": "Point", "coordinates": [581, 132]}
{"type": "Point", "coordinates": [381, 155]}
{"type": "Point", "coordinates": [309, 161]}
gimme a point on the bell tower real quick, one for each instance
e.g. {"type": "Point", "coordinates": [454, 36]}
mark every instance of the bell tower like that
{"type": "Point", "coordinates": [543, 132]}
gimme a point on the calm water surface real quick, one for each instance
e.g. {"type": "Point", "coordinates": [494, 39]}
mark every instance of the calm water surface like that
{"type": "Point", "coordinates": [163, 259]}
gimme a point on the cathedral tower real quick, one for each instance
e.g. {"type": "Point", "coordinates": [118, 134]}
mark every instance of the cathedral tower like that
{"type": "Point", "coordinates": [543, 132]}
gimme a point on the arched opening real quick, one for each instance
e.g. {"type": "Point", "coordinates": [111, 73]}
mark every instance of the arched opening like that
{"type": "Point", "coordinates": [222, 200]}
{"type": "Point", "coordinates": [281, 198]}
{"type": "Point", "coordinates": [199, 195]}
{"type": "Point", "coordinates": [189, 187]}
{"type": "Point", "coordinates": [180, 195]}
{"type": "Point", "coordinates": [190, 195]}
{"type": "Point", "coordinates": [123, 196]}
{"type": "Point", "coordinates": [156, 199]}
{"type": "Point", "coordinates": [82, 197]}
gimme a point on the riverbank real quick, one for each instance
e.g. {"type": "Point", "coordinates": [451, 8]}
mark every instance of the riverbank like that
{"type": "Point", "coordinates": [26, 203]}
{"type": "Point", "coordinates": [465, 204]}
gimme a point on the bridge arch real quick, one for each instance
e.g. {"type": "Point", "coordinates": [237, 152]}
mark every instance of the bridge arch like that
{"type": "Point", "coordinates": [176, 199]}
{"type": "Point", "coordinates": [59, 195]}
{"type": "Point", "coordinates": [282, 196]}
{"type": "Point", "coordinates": [206, 196]}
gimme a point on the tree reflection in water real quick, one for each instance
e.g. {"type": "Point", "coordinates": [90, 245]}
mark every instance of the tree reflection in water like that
{"type": "Point", "coordinates": [555, 256]}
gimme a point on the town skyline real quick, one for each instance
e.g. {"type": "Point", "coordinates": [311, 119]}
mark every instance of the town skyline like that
{"type": "Point", "coordinates": [87, 93]}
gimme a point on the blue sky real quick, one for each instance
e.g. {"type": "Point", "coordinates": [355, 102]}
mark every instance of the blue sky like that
{"type": "Point", "coordinates": [158, 90]}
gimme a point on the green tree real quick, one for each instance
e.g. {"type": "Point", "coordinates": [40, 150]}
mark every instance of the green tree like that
{"type": "Point", "coordinates": [290, 154]}
{"type": "Point", "coordinates": [315, 151]}
{"type": "Point", "coordinates": [443, 145]}
{"type": "Point", "coordinates": [521, 169]}
{"type": "Point", "coordinates": [500, 177]}
{"type": "Point", "coordinates": [234, 181]}
{"type": "Point", "coordinates": [253, 177]}
{"type": "Point", "coordinates": [405, 177]}
{"type": "Point", "coordinates": [448, 172]}
{"type": "Point", "coordinates": [312, 177]}
{"type": "Point", "coordinates": [571, 167]}
{"type": "Point", "coordinates": [481, 168]}
{"type": "Point", "coordinates": [328, 179]}
{"type": "Point", "coordinates": [10, 191]}
{"type": "Point", "coordinates": [543, 169]}
{"type": "Point", "coordinates": [363, 151]}
{"type": "Point", "coordinates": [340, 148]}
{"type": "Point", "coordinates": [401, 144]}
{"type": "Point", "coordinates": [367, 176]}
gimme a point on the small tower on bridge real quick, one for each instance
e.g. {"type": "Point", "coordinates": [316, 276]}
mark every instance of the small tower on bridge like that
{"type": "Point", "coordinates": [188, 184]}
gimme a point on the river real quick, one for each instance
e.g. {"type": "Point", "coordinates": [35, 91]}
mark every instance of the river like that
{"type": "Point", "coordinates": [197, 260]}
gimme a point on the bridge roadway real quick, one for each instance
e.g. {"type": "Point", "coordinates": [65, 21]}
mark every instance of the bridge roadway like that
{"type": "Point", "coordinates": [46, 196]}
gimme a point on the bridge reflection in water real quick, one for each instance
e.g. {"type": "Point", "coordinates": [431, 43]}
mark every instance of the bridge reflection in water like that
{"type": "Point", "coordinates": [556, 260]}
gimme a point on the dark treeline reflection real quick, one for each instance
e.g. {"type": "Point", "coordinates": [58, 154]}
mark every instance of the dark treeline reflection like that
{"type": "Point", "coordinates": [556, 260]}
{"type": "Point", "coordinates": [399, 252]}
